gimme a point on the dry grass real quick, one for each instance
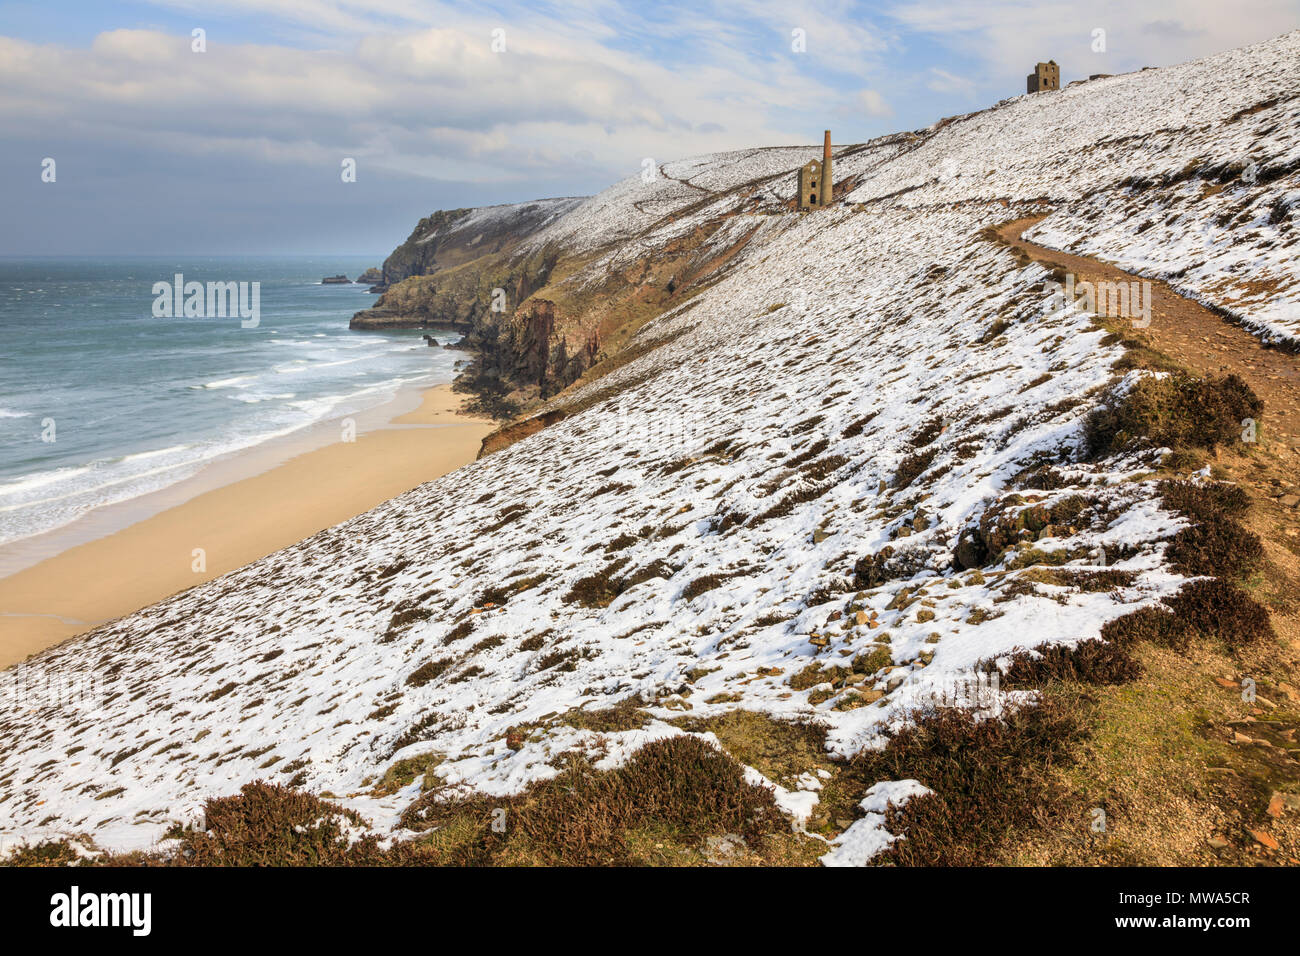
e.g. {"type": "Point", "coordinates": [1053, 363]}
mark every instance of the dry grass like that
{"type": "Point", "coordinates": [1179, 410]}
{"type": "Point", "coordinates": [676, 791]}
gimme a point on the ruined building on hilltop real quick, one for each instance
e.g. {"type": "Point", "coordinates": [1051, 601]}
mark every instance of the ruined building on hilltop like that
{"type": "Point", "coordinates": [1046, 76]}
{"type": "Point", "coordinates": [815, 183]}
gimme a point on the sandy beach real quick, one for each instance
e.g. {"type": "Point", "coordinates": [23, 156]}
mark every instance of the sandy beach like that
{"type": "Point", "coordinates": [236, 523]}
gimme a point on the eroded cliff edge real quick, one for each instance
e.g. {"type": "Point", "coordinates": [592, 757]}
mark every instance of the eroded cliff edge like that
{"type": "Point", "coordinates": [544, 291]}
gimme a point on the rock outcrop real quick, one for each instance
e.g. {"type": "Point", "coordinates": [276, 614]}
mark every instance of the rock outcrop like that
{"type": "Point", "coordinates": [535, 301]}
{"type": "Point", "coordinates": [452, 237]}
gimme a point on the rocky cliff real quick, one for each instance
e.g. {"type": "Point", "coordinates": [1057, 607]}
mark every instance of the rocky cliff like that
{"type": "Point", "coordinates": [544, 291]}
{"type": "Point", "coordinates": [451, 237]}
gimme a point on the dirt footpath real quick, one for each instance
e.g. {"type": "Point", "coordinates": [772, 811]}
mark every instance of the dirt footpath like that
{"type": "Point", "coordinates": [1195, 337]}
{"type": "Point", "coordinates": [1204, 342]}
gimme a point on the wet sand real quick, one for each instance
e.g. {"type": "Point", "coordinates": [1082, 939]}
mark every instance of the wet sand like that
{"type": "Point", "coordinates": [102, 579]}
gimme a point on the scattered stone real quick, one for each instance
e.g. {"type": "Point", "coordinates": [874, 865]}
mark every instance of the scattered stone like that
{"type": "Point", "coordinates": [859, 697]}
{"type": "Point", "coordinates": [1281, 802]}
{"type": "Point", "coordinates": [1266, 838]}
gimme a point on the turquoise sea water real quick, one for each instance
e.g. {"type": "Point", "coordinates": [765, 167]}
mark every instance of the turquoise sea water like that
{"type": "Point", "coordinates": [138, 403]}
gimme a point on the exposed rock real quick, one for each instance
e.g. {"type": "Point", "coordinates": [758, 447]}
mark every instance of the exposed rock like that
{"type": "Point", "coordinates": [339, 279]}
{"type": "Point", "coordinates": [379, 318]}
{"type": "Point", "coordinates": [1281, 802]}
{"type": "Point", "coordinates": [452, 237]}
{"type": "Point", "coordinates": [1265, 838]}
{"type": "Point", "coordinates": [1009, 522]}
{"type": "Point", "coordinates": [509, 434]}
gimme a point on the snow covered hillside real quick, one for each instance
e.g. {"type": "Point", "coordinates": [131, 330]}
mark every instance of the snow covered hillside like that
{"type": "Point", "coordinates": [765, 510]}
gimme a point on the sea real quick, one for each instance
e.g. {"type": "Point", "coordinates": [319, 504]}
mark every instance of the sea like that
{"type": "Point", "coordinates": [102, 401]}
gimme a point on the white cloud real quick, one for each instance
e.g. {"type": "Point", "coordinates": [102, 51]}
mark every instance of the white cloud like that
{"type": "Point", "coordinates": [873, 104]}
{"type": "Point", "coordinates": [436, 101]}
{"type": "Point", "coordinates": [1009, 36]}
{"type": "Point", "coordinates": [941, 81]}
{"type": "Point", "coordinates": [587, 88]}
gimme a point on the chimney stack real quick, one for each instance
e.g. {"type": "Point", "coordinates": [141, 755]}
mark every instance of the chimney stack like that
{"type": "Point", "coordinates": [827, 178]}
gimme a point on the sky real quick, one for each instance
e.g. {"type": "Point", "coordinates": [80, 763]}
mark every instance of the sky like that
{"type": "Point", "coordinates": [235, 141]}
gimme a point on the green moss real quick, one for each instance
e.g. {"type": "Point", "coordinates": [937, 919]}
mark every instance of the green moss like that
{"type": "Point", "coordinates": [874, 660]}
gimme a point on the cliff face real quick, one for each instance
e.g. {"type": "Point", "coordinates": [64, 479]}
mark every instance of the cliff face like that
{"type": "Point", "coordinates": [544, 291]}
{"type": "Point", "coordinates": [465, 269]}
{"type": "Point", "coordinates": [451, 237]}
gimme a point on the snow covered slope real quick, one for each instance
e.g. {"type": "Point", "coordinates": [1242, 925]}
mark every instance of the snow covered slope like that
{"type": "Point", "coordinates": [777, 484]}
{"type": "Point", "coordinates": [1190, 174]}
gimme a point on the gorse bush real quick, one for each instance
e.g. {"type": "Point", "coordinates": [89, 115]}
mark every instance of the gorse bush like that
{"type": "Point", "coordinates": [1174, 410]}
{"type": "Point", "coordinates": [1210, 607]}
{"type": "Point", "coordinates": [913, 466]}
{"type": "Point", "coordinates": [1223, 611]}
{"type": "Point", "coordinates": [1088, 662]}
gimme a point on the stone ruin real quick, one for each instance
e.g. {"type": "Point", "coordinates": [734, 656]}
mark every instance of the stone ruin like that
{"type": "Point", "coordinates": [815, 180]}
{"type": "Point", "coordinates": [1046, 76]}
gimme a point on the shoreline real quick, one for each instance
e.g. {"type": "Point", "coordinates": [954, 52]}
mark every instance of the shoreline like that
{"type": "Point", "coordinates": [234, 516]}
